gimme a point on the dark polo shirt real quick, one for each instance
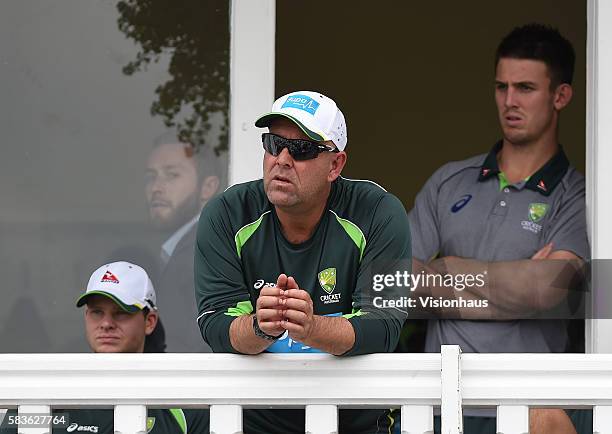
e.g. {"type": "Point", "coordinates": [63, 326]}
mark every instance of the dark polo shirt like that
{"type": "Point", "coordinates": [468, 209]}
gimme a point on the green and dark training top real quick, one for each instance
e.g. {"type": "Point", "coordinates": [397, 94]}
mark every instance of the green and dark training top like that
{"type": "Point", "coordinates": [101, 421]}
{"type": "Point", "coordinates": [240, 248]}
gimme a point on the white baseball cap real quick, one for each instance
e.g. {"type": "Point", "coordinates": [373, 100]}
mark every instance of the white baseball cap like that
{"type": "Point", "coordinates": [317, 116]}
{"type": "Point", "coordinates": [126, 284]}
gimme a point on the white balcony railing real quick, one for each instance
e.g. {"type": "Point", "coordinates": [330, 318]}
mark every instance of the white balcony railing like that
{"type": "Point", "coordinates": [320, 383]}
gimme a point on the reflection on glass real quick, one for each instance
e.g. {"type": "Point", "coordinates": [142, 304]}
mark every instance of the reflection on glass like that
{"type": "Point", "coordinates": [196, 35]}
{"type": "Point", "coordinates": [87, 87]}
{"type": "Point", "coordinates": [179, 180]}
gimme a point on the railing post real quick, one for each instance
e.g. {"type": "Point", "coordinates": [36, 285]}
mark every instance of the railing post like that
{"type": "Point", "coordinates": [417, 419]}
{"type": "Point", "coordinates": [225, 419]}
{"type": "Point", "coordinates": [512, 419]}
{"type": "Point", "coordinates": [130, 419]}
{"type": "Point", "coordinates": [321, 419]}
{"type": "Point", "coordinates": [602, 419]}
{"type": "Point", "coordinates": [24, 410]}
{"type": "Point", "coordinates": [452, 416]}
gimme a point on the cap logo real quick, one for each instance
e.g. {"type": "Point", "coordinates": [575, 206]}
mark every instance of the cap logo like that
{"type": "Point", "coordinates": [109, 277]}
{"type": "Point", "coordinates": [301, 102]}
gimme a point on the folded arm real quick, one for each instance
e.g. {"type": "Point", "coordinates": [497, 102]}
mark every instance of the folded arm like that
{"type": "Point", "coordinates": [512, 288]}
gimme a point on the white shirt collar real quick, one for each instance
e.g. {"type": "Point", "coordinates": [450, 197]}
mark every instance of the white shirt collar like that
{"type": "Point", "coordinates": [170, 245]}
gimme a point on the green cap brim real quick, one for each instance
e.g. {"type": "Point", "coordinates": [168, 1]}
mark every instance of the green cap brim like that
{"type": "Point", "coordinates": [126, 307]}
{"type": "Point", "coordinates": [266, 120]}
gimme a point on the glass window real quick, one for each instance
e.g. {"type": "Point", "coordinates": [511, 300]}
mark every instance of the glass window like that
{"type": "Point", "coordinates": [114, 120]}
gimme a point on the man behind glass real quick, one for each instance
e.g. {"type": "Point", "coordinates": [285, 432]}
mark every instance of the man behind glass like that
{"type": "Point", "coordinates": [180, 180]}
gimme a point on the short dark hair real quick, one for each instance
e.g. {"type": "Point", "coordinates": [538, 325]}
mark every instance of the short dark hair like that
{"type": "Point", "coordinates": [544, 43]}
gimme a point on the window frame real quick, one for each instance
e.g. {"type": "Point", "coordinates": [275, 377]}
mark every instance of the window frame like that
{"type": "Point", "coordinates": [252, 68]}
{"type": "Point", "coordinates": [598, 155]}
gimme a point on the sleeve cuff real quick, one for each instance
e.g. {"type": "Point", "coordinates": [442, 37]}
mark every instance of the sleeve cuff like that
{"type": "Point", "coordinates": [216, 333]}
{"type": "Point", "coordinates": [372, 335]}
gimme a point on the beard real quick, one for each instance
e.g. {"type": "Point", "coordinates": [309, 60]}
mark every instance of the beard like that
{"type": "Point", "coordinates": [172, 218]}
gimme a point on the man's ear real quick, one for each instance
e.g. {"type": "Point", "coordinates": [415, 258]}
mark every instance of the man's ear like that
{"type": "Point", "coordinates": [563, 95]}
{"type": "Point", "coordinates": [209, 188]}
{"type": "Point", "coordinates": [337, 164]}
{"type": "Point", "coordinates": [150, 322]}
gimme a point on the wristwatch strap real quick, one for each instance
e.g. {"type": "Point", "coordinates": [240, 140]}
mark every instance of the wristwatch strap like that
{"type": "Point", "coordinates": [259, 332]}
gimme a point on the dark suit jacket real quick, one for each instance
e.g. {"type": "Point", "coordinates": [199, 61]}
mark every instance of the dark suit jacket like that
{"type": "Point", "coordinates": [176, 299]}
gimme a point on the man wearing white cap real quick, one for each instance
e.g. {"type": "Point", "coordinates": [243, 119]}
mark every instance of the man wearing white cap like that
{"type": "Point", "coordinates": [121, 308]}
{"type": "Point", "coordinates": [284, 264]}
{"type": "Point", "coordinates": [120, 313]}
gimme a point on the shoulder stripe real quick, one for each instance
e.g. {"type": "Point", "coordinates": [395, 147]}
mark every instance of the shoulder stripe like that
{"type": "Point", "coordinates": [240, 183]}
{"type": "Point", "coordinates": [365, 180]}
{"type": "Point", "coordinates": [458, 172]}
{"type": "Point", "coordinates": [353, 232]}
{"type": "Point", "coordinates": [180, 418]}
{"type": "Point", "coordinates": [245, 232]}
{"type": "Point", "coordinates": [474, 163]}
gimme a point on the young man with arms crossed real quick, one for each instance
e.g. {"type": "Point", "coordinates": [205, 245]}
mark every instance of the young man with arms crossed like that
{"type": "Point", "coordinates": [517, 212]}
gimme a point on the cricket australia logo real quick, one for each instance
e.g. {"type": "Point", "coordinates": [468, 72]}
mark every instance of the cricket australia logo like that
{"type": "Point", "coordinates": [327, 280]}
{"type": "Point", "coordinates": [536, 213]}
{"type": "Point", "coordinates": [150, 424]}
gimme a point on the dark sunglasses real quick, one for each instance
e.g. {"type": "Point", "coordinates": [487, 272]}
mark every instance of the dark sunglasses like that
{"type": "Point", "coordinates": [299, 149]}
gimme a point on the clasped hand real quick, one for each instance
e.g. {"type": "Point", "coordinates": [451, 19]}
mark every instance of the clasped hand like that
{"type": "Point", "coordinates": [285, 307]}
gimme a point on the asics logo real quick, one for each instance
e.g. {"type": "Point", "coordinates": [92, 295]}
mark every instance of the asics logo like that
{"type": "Point", "coordinates": [461, 203]}
{"type": "Point", "coordinates": [82, 428]}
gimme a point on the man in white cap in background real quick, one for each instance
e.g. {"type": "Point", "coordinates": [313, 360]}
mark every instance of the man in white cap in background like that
{"type": "Point", "coordinates": [120, 312]}
{"type": "Point", "coordinates": [120, 308]}
{"type": "Point", "coordinates": [284, 264]}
